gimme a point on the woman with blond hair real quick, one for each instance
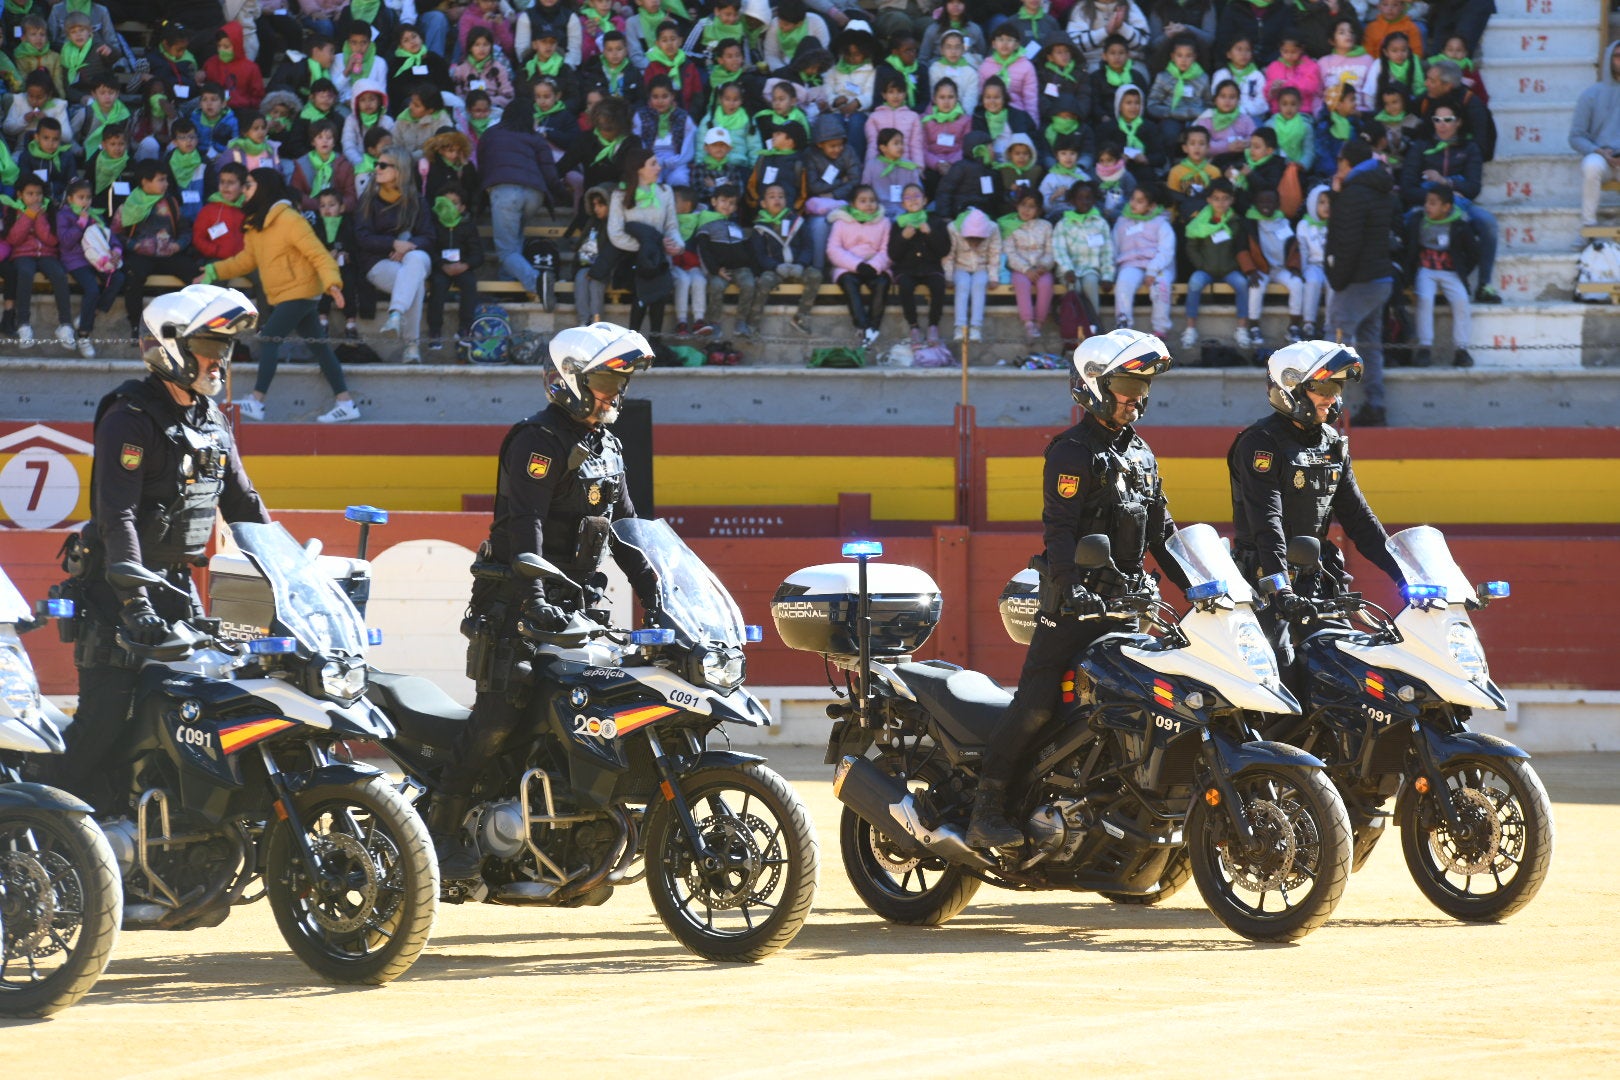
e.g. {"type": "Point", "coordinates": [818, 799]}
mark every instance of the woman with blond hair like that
{"type": "Point", "coordinates": [395, 237]}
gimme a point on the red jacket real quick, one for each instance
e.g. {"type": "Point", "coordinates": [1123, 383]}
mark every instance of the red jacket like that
{"type": "Point", "coordinates": [32, 237]}
{"type": "Point", "coordinates": [214, 214]}
{"type": "Point", "coordinates": [244, 86]}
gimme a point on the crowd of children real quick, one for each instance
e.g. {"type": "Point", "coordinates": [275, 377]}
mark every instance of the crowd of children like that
{"type": "Point", "coordinates": [721, 143]}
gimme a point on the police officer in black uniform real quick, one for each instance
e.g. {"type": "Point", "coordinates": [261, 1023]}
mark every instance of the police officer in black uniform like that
{"type": "Point", "coordinates": [561, 480]}
{"type": "Point", "coordinates": [164, 462]}
{"type": "Point", "coordinates": [1291, 476]}
{"type": "Point", "coordinates": [1100, 477]}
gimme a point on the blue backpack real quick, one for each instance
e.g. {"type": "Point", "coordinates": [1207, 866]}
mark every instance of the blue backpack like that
{"type": "Point", "coordinates": [489, 341]}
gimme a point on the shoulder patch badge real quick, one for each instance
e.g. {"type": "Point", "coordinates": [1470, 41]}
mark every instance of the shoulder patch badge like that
{"type": "Point", "coordinates": [130, 456]}
{"type": "Point", "coordinates": [1262, 461]}
{"type": "Point", "coordinates": [1068, 486]}
{"type": "Point", "coordinates": [539, 466]}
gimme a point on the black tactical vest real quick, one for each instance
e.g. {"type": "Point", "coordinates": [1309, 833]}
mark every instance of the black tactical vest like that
{"type": "Point", "coordinates": [1126, 502]}
{"type": "Point", "coordinates": [1309, 477]}
{"type": "Point", "coordinates": [591, 485]}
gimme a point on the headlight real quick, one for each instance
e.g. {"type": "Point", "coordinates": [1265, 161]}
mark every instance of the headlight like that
{"type": "Point", "coordinates": [1466, 652]}
{"type": "Point", "coordinates": [723, 670]}
{"type": "Point", "coordinates": [17, 687]}
{"type": "Point", "coordinates": [342, 682]}
{"type": "Point", "coordinates": [1256, 652]}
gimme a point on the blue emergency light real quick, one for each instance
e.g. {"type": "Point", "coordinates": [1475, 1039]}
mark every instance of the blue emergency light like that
{"type": "Point", "coordinates": [1207, 590]}
{"type": "Point", "coordinates": [1496, 590]}
{"type": "Point", "coordinates": [373, 636]}
{"type": "Point", "coordinates": [856, 549]}
{"type": "Point", "coordinates": [366, 515]}
{"type": "Point", "coordinates": [655, 635]}
{"type": "Point", "coordinates": [272, 646]}
{"type": "Point", "coordinates": [1425, 592]}
{"type": "Point", "coordinates": [65, 609]}
{"type": "Point", "coordinates": [753, 633]}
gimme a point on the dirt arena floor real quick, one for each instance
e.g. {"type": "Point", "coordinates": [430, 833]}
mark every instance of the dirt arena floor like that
{"type": "Point", "coordinates": [1018, 985]}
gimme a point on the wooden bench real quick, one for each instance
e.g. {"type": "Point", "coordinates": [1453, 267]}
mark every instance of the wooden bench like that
{"type": "Point", "coordinates": [1599, 288]}
{"type": "Point", "coordinates": [1600, 232]}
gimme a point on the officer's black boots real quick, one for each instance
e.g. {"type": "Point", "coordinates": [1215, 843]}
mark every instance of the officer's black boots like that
{"type": "Point", "coordinates": [458, 860]}
{"type": "Point", "coordinates": [990, 827]}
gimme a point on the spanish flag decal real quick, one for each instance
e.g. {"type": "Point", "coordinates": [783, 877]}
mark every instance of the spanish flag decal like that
{"type": "Point", "coordinates": [1375, 685]}
{"type": "Point", "coordinates": [642, 716]}
{"type": "Point", "coordinates": [539, 465]}
{"type": "Point", "coordinates": [1164, 694]}
{"type": "Point", "coordinates": [1068, 486]}
{"type": "Point", "coordinates": [130, 456]}
{"type": "Point", "coordinates": [234, 738]}
{"type": "Point", "coordinates": [1068, 686]}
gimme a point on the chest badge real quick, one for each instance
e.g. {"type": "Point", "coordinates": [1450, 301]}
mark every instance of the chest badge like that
{"type": "Point", "coordinates": [539, 466]}
{"type": "Point", "coordinates": [130, 456]}
{"type": "Point", "coordinates": [1262, 461]}
{"type": "Point", "coordinates": [593, 494]}
{"type": "Point", "coordinates": [1068, 486]}
{"type": "Point", "coordinates": [1299, 478]}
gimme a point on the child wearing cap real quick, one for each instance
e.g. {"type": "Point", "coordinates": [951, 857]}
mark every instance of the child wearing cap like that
{"type": "Point", "coordinates": [730, 114]}
{"type": "Point", "coordinates": [1060, 75]}
{"type": "Point", "coordinates": [548, 62]}
{"type": "Point", "coordinates": [715, 167]}
{"type": "Point", "coordinates": [975, 254]}
{"type": "Point", "coordinates": [831, 172]}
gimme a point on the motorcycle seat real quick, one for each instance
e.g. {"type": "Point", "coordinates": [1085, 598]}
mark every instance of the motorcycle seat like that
{"type": "Point", "coordinates": [969, 705]}
{"type": "Point", "coordinates": [419, 709]}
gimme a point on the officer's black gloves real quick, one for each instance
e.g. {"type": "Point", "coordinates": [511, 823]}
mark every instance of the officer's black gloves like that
{"type": "Point", "coordinates": [544, 617]}
{"type": "Point", "coordinates": [1083, 603]}
{"type": "Point", "coordinates": [1292, 606]}
{"type": "Point", "coordinates": [142, 625]}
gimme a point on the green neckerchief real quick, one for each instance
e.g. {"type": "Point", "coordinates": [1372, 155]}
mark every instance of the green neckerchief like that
{"type": "Point", "coordinates": [984, 155]}
{"type": "Point", "coordinates": [649, 23]}
{"type": "Point", "coordinates": [478, 65]}
{"type": "Point", "coordinates": [1117, 79]}
{"type": "Point", "coordinates": [1196, 169]}
{"type": "Point", "coordinates": [771, 151]}
{"type": "Point", "coordinates": [332, 226]}
{"type": "Point", "coordinates": [1291, 134]}
{"type": "Point", "coordinates": [614, 76]}
{"type": "Point", "coordinates": [1387, 118]}
{"type": "Point", "coordinates": [34, 151]}
{"type": "Point", "coordinates": [1064, 73]}
{"type": "Point", "coordinates": [600, 24]}
{"type": "Point", "coordinates": [1409, 74]}
{"type": "Point", "coordinates": [1353, 53]}
{"type": "Point", "coordinates": [446, 212]}
{"type": "Point", "coordinates": [549, 68]}
{"type": "Point", "coordinates": [237, 202]}
{"type": "Point", "coordinates": [1009, 223]}
{"type": "Point", "coordinates": [315, 69]}
{"type": "Point", "coordinates": [1442, 147]}
{"type": "Point", "coordinates": [810, 78]}
{"type": "Point", "coordinates": [1254, 162]}
{"type": "Point", "coordinates": [944, 118]}
{"type": "Point", "coordinates": [645, 196]}
{"type": "Point", "coordinates": [1314, 220]}
{"type": "Point", "coordinates": [689, 224]}
{"type": "Point", "coordinates": [1255, 215]}
{"type": "Point", "coordinates": [185, 166]}
{"type": "Point", "coordinates": [1061, 125]}
{"type": "Point", "coordinates": [1183, 78]}
{"type": "Point", "coordinates": [1455, 215]}
{"type": "Point", "coordinates": [79, 7]}
{"type": "Point", "coordinates": [1075, 217]}
{"type": "Point", "coordinates": [719, 77]}
{"type": "Point", "coordinates": [323, 171]}
{"type": "Point", "coordinates": [715, 31]}
{"type": "Point", "coordinates": [891, 164]}
{"type": "Point", "coordinates": [995, 123]}
{"type": "Point", "coordinates": [608, 149]}
{"type": "Point", "coordinates": [366, 60]}
{"type": "Point", "coordinates": [1239, 74]}
{"type": "Point", "coordinates": [311, 114]}
{"type": "Point", "coordinates": [74, 57]}
{"type": "Point", "coordinates": [1006, 62]}
{"type": "Point", "coordinates": [1221, 121]}
{"type": "Point", "coordinates": [138, 207]}
{"type": "Point", "coordinates": [412, 59]}
{"type": "Point", "coordinates": [963, 62]}
{"type": "Point", "coordinates": [116, 115]}
{"type": "Point", "coordinates": [865, 217]}
{"type": "Point", "coordinates": [1338, 126]}
{"type": "Point", "coordinates": [556, 107]}
{"type": "Point", "coordinates": [108, 169]}
{"type": "Point", "coordinates": [1129, 128]}
{"type": "Point", "coordinates": [1072, 172]}
{"type": "Point", "coordinates": [789, 39]}
{"type": "Point", "coordinates": [736, 122]}
{"type": "Point", "coordinates": [910, 74]}
{"type": "Point", "coordinates": [368, 164]}
{"type": "Point", "coordinates": [365, 10]}
{"type": "Point", "coordinates": [773, 219]}
{"type": "Point", "coordinates": [26, 52]}
{"type": "Point", "coordinates": [673, 63]}
{"type": "Point", "coordinates": [479, 124]}
{"type": "Point", "coordinates": [1465, 65]}
{"type": "Point", "coordinates": [1203, 225]}
{"type": "Point", "coordinates": [367, 120]}
{"type": "Point", "coordinates": [1018, 170]}
{"type": "Point", "coordinates": [248, 146]}
{"type": "Point", "coordinates": [1033, 20]}
{"type": "Point", "coordinates": [1134, 216]}
{"type": "Point", "coordinates": [911, 219]}
{"type": "Point", "coordinates": [664, 120]}
{"type": "Point", "coordinates": [20, 8]}
{"type": "Point", "coordinates": [795, 117]}
{"type": "Point", "coordinates": [844, 67]}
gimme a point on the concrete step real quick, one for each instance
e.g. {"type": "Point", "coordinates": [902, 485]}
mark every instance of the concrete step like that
{"type": "Point", "coordinates": [1534, 180]}
{"type": "Point", "coordinates": [1535, 276]}
{"type": "Point", "coordinates": [1534, 79]}
{"type": "Point", "coordinates": [1532, 130]}
{"type": "Point", "coordinates": [1550, 229]}
{"type": "Point", "coordinates": [1590, 12]}
{"type": "Point", "coordinates": [1555, 40]}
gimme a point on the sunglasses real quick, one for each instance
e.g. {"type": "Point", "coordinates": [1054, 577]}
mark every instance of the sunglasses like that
{"type": "Point", "coordinates": [381, 165]}
{"type": "Point", "coordinates": [1445, 119]}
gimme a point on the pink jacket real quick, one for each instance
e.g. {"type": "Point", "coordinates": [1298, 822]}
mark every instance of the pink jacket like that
{"type": "Point", "coordinates": [496, 77]}
{"type": "Point", "coordinates": [1233, 140]}
{"type": "Point", "coordinates": [32, 237]}
{"type": "Point", "coordinates": [1149, 245]}
{"type": "Point", "coordinates": [851, 243]}
{"type": "Point", "coordinates": [936, 155]}
{"type": "Point", "coordinates": [501, 28]}
{"type": "Point", "coordinates": [1023, 91]}
{"type": "Point", "coordinates": [1306, 78]}
{"type": "Point", "coordinates": [903, 120]}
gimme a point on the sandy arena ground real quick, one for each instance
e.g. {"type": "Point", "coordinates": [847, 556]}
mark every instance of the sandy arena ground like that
{"type": "Point", "coordinates": [1018, 985]}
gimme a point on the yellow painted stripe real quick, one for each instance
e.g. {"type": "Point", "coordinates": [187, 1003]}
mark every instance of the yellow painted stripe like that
{"type": "Point", "coordinates": [234, 739]}
{"type": "Point", "coordinates": [1476, 491]}
{"type": "Point", "coordinates": [640, 718]}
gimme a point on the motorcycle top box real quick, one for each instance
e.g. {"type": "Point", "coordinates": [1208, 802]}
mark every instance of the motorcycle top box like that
{"type": "Point", "coordinates": [1019, 603]}
{"type": "Point", "coordinates": [815, 609]}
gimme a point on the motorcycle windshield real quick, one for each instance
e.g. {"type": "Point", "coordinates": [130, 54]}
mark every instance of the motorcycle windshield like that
{"type": "Point", "coordinates": [1424, 559]}
{"type": "Point", "coordinates": [13, 608]}
{"type": "Point", "coordinates": [1204, 557]}
{"type": "Point", "coordinates": [312, 607]}
{"type": "Point", "coordinates": [668, 575]}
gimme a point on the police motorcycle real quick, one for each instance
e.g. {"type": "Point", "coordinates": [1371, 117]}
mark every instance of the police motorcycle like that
{"type": "Point", "coordinates": [1149, 769]}
{"type": "Point", "coordinates": [59, 889]}
{"type": "Point", "coordinates": [1387, 704]}
{"type": "Point", "coordinates": [618, 768]}
{"type": "Point", "coordinates": [240, 775]}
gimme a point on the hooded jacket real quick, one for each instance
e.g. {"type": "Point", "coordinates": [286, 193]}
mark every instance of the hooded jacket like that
{"type": "Point", "coordinates": [354, 134]}
{"type": "Point", "coordinates": [851, 243]}
{"type": "Point", "coordinates": [969, 183]}
{"type": "Point", "coordinates": [292, 262]}
{"type": "Point", "coordinates": [974, 258]}
{"type": "Point", "coordinates": [1311, 236]}
{"type": "Point", "coordinates": [244, 85]}
{"type": "Point", "coordinates": [1596, 123]}
{"type": "Point", "coordinates": [1358, 231]}
{"type": "Point", "coordinates": [1022, 91]}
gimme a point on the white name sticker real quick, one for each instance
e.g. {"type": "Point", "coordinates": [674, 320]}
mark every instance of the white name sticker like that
{"type": "Point", "coordinates": [1093, 240]}
{"type": "Point", "coordinates": [120, 188]}
{"type": "Point", "coordinates": [475, 84]}
{"type": "Point", "coordinates": [1219, 236]}
{"type": "Point", "coordinates": [182, 91]}
{"type": "Point", "coordinates": [419, 69]}
{"type": "Point", "coordinates": [829, 175]}
{"type": "Point", "coordinates": [770, 174]}
{"type": "Point", "coordinates": [945, 138]}
{"type": "Point", "coordinates": [896, 192]}
{"type": "Point", "coordinates": [987, 185]}
{"type": "Point", "coordinates": [451, 255]}
{"type": "Point", "coordinates": [191, 198]}
{"type": "Point", "coordinates": [218, 230]}
{"type": "Point", "coordinates": [1051, 89]}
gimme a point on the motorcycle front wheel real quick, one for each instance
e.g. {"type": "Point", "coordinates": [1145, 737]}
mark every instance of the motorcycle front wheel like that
{"type": "Point", "coordinates": [1287, 880]}
{"type": "Point", "coordinates": [896, 886]}
{"type": "Point", "coordinates": [1499, 860]}
{"type": "Point", "coordinates": [369, 917]}
{"type": "Point", "coordinates": [750, 891]}
{"type": "Point", "coordinates": [61, 899]}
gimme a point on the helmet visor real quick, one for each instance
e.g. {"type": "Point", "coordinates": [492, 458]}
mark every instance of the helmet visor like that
{"type": "Point", "coordinates": [1329, 388]}
{"type": "Point", "coordinates": [211, 347]}
{"type": "Point", "coordinates": [1340, 366]}
{"type": "Point", "coordinates": [606, 382]}
{"type": "Point", "coordinates": [1128, 387]}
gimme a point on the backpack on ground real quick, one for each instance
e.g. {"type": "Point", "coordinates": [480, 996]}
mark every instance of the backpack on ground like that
{"type": "Point", "coordinates": [840, 356]}
{"type": "Point", "coordinates": [97, 245]}
{"type": "Point", "coordinates": [1599, 264]}
{"type": "Point", "coordinates": [932, 355]}
{"type": "Point", "coordinates": [489, 341]}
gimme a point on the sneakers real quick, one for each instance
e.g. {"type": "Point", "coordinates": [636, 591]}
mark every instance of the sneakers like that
{"type": "Point", "coordinates": [1487, 295]}
{"type": "Point", "coordinates": [1422, 358]}
{"type": "Point", "coordinates": [1189, 337]}
{"type": "Point", "coordinates": [916, 338]}
{"type": "Point", "coordinates": [1032, 333]}
{"type": "Point", "coordinates": [975, 333]}
{"type": "Point", "coordinates": [65, 335]}
{"type": "Point", "coordinates": [1123, 323]}
{"type": "Point", "coordinates": [1242, 338]}
{"type": "Point", "coordinates": [1257, 340]}
{"type": "Point", "coordinates": [395, 322]}
{"type": "Point", "coordinates": [412, 354]}
{"type": "Point", "coordinates": [337, 414]}
{"type": "Point", "coordinates": [743, 330]}
{"type": "Point", "coordinates": [933, 335]}
{"type": "Point", "coordinates": [25, 334]}
{"type": "Point", "coordinates": [1369, 416]}
{"type": "Point", "coordinates": [351, 331]}
{"type": "Point", "coordinates": [436, 344]}
{"type": "Point", "coordinates": [252, 408]}
{"type": "Point", "coordinates": [87, 350]}
{"type": "Point", "coordinates": [681, 329]}
{"type": "Point", "coordinates": [703, 328]}
{"type": "Point", "coordinates": [961, 334]}
{"type": "Point", "coordinates": [801, 323]}
{"type": "Point", "coordinates": [1294, 333]}
{"type": "Point", "coordinates": [1308, 332]}
{"type": "Point", "coordinates": [1462, 358]}
{"type": "Point", "coordinates": [869, 336]}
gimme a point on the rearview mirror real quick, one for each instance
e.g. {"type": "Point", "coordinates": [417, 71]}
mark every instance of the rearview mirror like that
{"type": "Point", "coordinates": [1271, 586]}
{"type": "Point", "coordinates": [132, 575]}
{"type": "Point", "coordinates": [1093, 552]}
{"type": "Point", "coordinates": [534, 567]}
{"type": "Point", "coordinates": [1305, 552]}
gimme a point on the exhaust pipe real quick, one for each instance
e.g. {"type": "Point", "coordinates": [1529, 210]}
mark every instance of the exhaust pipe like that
{"type": "Point", "coordinates": [884, 803]}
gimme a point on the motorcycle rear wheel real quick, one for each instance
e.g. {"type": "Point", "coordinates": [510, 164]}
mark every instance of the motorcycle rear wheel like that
{"type": "Point", "coordinates": [371, 931]}
{"type": "Point", "coordinates": [1302, 858]}
{"type": "Point", "coordinates": [757, 901]}
{"type": "Point", "coordinates": [49, 961]}
{"type": "Point", "coordinates": [1519, 819]}
{"type": "Point", "coordinates": [1177, 872]}
{"type": "Point", "coordinates": [913, 892]}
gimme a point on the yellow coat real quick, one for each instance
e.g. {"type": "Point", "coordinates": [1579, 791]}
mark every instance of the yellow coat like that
{"type": "Point", "coordinates": [292, 262]}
